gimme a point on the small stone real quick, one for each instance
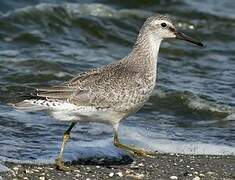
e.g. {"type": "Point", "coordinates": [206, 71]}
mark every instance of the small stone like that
{"type": "Point", "coordinates": [27, 171]}
{"type": "Point", "coordinates": [201, 175]}
{"type": "Point", "coordinates": [88, 169]}
{"type": "Point", "coordinates": [88, 179]}
{"type": "Point", "coordinates": [97, 167]}
{"type": "Point", "coordinates": [111, 174]}
{"type": "Point", "coordinates": [77, 175]}
{"type": "Point", "coordinates": [173, 177]}
{"type": "Point", "coordinates": [191, 27]}
{"type": "Point", "coordinates": [141, 164]}
{"type": "Point", "coordinates": [26, 178]}
{"type": "Point", "coordinates": [196, 173]}
{"type": "Point", "coordinates": [134, 167]}
{"type": "Point", "coordinates": [136, 176]}
{"type": "Point", "coordinates": [119, 174]}
{"type": "Point", "coordinates": [139, 176]}
{"type": "Point", "coordinates": [128, 171]}
{"type": "Point", "coordinates": [210, 173]}
{"type": "Point", "coordinates": [196, 178]}
{"type": "Point", "coordinates": [42, 178]}
{"type": "Point", "coordinates": [15, 168]}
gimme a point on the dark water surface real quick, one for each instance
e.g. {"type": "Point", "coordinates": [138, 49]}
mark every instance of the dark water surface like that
{"type": "Point", "coordinates": [45, 42]}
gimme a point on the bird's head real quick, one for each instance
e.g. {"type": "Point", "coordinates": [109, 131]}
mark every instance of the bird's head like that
{"type": "Point", "coordinates": [162, 27]}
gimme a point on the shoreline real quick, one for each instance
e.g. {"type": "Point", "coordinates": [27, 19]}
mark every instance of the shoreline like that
{"type": "Point", "coordinates": [163, 166]}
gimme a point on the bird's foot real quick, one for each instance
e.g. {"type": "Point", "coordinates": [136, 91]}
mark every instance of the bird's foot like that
{"type": "Point", "coordinates": [141, 152]}
{"type": "Point", "coordinates": [59, 165]}
{"type": "Point", "coordinates": [135, 151]}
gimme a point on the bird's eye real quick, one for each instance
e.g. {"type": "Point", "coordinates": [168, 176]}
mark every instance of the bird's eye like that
{"type": "Point", "coordinates": [163, 24]}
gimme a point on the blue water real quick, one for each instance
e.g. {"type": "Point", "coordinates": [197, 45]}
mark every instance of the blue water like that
{"type": "Point", "coordinates": [192, 109]}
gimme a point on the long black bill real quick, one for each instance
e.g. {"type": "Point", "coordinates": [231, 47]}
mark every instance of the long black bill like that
{"type": "Point", "coordinates": [182, 36]}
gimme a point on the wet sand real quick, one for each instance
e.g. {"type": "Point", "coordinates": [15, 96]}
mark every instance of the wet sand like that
{"type": "Point", "coordinates": [163, 166]}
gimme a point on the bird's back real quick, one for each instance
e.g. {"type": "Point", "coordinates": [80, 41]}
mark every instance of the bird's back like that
{"type": "Point", "coordinates": [118, 86]}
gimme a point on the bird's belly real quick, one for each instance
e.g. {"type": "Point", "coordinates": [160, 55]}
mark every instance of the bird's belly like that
{"type": "Point", "coordinates": [119, 107]}
{"type": "Point", "coordinates": [89, 114]}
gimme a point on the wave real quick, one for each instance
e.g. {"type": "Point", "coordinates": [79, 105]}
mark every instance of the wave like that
{"type": "Point", "coordinates": [188, 103]}
{"type": "Point", "coordinates": [67, 14]}
{"type": "Point", "coordinates": [62, 13]}
{"type": "Point", "coordinates": [33, 24]}
{"type": "Point", "coordinates": [96, 19]}
{"type": "Point", "coordinates": [149, 140]}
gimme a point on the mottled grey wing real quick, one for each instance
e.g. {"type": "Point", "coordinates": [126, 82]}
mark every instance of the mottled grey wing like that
{"type": "Point", "coordinates": [62, 92]}
{"type": "Point", "coordinates": [75, 90]}
{"type": "Point", "coordinates": [100, 87]}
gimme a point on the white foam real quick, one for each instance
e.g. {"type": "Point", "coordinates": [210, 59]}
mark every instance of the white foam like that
{"type": "Point", "coordinates": [4, 168]}
{"type": "Point", "coordinates": [128, 135]}
{"type": "Point", "coordinates": [230, 117]}
{"type": "Point", "coordinates": [164, 145]}
{"type": "Point", "coordinates": [9, 53]}
{"type": "Point", "coordinates": [74, 151]}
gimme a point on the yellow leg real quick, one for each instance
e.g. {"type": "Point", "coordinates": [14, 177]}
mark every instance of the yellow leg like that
{"type": "Point", "coordinates": [59, 162]}
{"type": "Point", "coordinates": [131, 149]}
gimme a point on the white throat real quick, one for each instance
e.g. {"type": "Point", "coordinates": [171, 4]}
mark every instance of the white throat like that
{"type": "Point", "coordinates": [146, 49]}
{"type": "Point", "coordinates": [154, 46]}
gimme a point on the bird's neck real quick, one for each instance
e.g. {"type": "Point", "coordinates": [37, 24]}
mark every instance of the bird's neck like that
{"type": "Point", "coordinates": [145, 51]}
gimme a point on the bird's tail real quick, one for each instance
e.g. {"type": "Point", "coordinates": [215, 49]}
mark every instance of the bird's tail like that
{"type": "Point", "coordinates": [30, 105]}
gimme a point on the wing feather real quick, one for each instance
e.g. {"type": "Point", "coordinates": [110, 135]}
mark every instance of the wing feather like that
{"type": "Point", "coordinates": [77, 86]}
{"type": "Point", "coordinates": [92, 88]}
{"type": "Point", "coordinates": [57, 89]}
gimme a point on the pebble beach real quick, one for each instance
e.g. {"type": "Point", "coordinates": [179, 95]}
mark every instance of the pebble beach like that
{"type": "Point", "coordinates": [163, 166]}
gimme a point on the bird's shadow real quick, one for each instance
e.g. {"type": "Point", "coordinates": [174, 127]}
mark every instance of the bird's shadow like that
{"type": "Point", "coordinates": [103, 161]}
{"type": "Point", "coordinates": [100, 156]}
